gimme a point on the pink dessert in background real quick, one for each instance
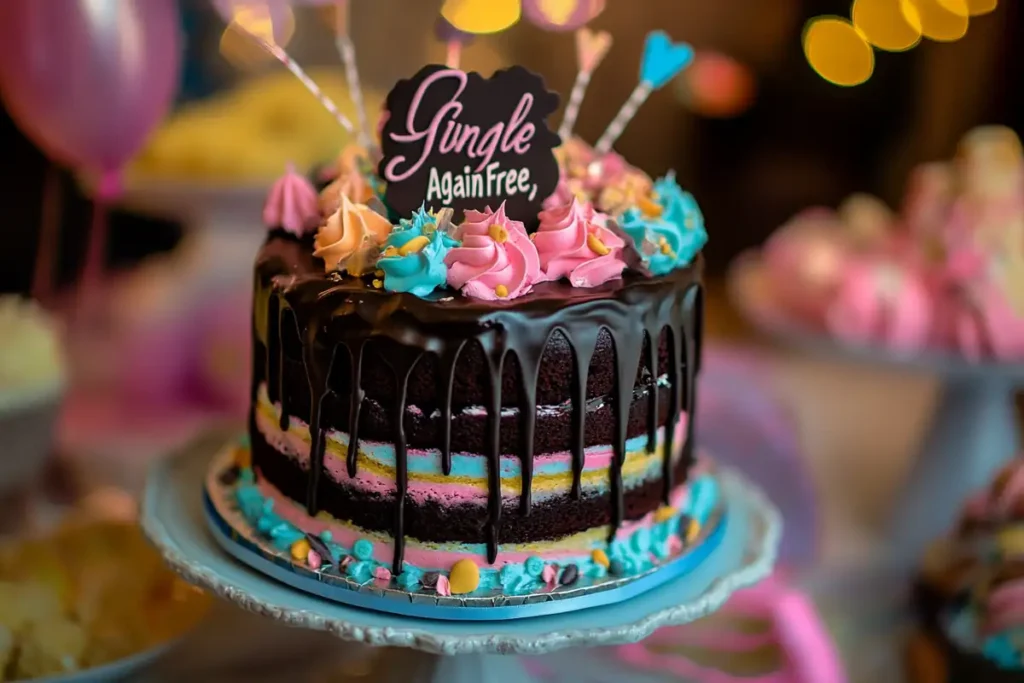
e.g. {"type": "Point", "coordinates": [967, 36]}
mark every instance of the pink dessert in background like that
{"type": "Point", "coordinates": [946, 273]}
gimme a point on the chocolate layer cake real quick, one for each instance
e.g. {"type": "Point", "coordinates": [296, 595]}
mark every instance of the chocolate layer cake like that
{"type": "Point", "coordinates": [477, 395]}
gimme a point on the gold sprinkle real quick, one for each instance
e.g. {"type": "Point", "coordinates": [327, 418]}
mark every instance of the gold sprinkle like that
{"type": "Point", "coordinates": [377, 284]}
{"type": "Point", "coordinates": [501, 290]}
{"type": "Point", "coordinates": [599, 557]}
{"type": "Point", "coordinates": [692, 530]}
{"type": "Point", "coordinates": [666, 249]}
{"type": "Point", "coordinates": [597, 246]}
{"type": "Point", "coordinates": [300, 550]}
{"type": "Point", "coordinates": [664, 513]}
{"type": "Point", "coordinates": [690, 222]}
{"type": "Point", "coordinates": [414, 246]}
{"type": "Point", "coordinates": [379, 272]}
{"type": "Point", "coordinates": [391, 251]}
{"type": "Point", "coordinates": [662, 240]}
{"type": "Point", "coordinates": [498, 233]}
{"type": "Point", "coordinates": [649, 208]}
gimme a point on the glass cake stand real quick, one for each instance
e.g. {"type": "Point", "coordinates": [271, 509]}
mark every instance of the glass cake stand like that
{"type": "Point", "coordinates": [438, 651]}
{"type": "Point", "coordinates": [972, 434]}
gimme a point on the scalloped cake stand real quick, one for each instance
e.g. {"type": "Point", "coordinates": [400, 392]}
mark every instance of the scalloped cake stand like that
{"type": "Point", "coordinates": [450, 651]}
{"type": "Point", "coordinates": [972, 434]}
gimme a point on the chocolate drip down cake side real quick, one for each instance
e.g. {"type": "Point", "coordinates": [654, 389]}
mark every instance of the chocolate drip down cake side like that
{"type": "Point", "coordinates": [475, 359]}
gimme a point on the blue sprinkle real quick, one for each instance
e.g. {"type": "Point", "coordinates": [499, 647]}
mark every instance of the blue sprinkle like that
{"type": "Point", "coordinates": [596, 571]}
{"type": "Point", "coordinates": [363, 549]}
{"type": "Point", "coordinates": [360, 571]}
{"type": "Point", "coordinates": [326, 536]}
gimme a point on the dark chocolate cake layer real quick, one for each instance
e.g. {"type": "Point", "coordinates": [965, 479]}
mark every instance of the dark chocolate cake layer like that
{"type": "Point", "coordinates": [375, 350]}
{"type": "Point", "coordinates": [469, 429]}
{"type": "Point", "coordinates": [431, 522]}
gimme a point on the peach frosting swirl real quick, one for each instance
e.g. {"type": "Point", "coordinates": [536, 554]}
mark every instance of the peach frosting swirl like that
{"type": "Point", "coordinates": [574, 241]}
{"type": "Point", "coordinates": [350, 181]}
{"type": "Point", "coordinates": [351, 238]}
{"type": "Point", "coordinates": [497, 259]}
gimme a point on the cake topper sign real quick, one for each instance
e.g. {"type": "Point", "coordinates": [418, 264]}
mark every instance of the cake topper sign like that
{"type": "Point", "coordinates": [457, 139]}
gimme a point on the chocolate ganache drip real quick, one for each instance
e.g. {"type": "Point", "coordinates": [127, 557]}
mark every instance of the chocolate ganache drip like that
{"type": "Point", "coordinates": [336, 321]}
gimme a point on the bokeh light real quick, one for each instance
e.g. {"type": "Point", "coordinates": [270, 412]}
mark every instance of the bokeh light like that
{"type": "Point", "coordinates": [979, 7]}
{"type": "Point", "coordinates": [887, 24]}
{"type": "Point", "coordinates": [941, 20]}
{"type": "Point", "coordinates": [837, 51]}
{"type": "Point", "coordinates": [272, 22]}
{"type": "Point", "coordinates": [716, 85]}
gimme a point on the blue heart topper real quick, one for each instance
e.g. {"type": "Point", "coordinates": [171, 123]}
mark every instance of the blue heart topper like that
{"type": "Point", "coordinates": [663, 59]}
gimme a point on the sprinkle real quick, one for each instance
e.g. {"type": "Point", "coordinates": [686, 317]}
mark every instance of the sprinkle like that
{"type": "Point", "coordinates": [363, 549]}
{"type": "Point", "coordinates": [549, 574]}
{"type": "Point", "coordinates": [229, 476]}
{"type": "Point", "coordinates": [345, 562]}
{"type": "Point", "coordinates": [429, 228]}
{"type": "Point", "coordinates": [379, 273]}
{"type": "Point", "coordinates": [534, 566]}
{"type": "Point", "coordinates": [664, 513]}
{"type": "Point", "coordinates": [501, 290]}
{"type": "Point", "coordinates": [675, 544]}
{"type": "Point", "coordinates": [443, 587]}
{"type": "Point", "coordinates": [691, 530]}
{"type": "Point", "coordinates": [464, 577]}
{"type": "Point", "coordinates": [616, 568]}
{"type": "Point", "coordinates": [378, 284]}
{"type": "Point", "coordinates": [382, 573]}
{"type": "Point", "coordinates": [300, 550]}
{"type": "Point", "coordinates": [415, 245]}
{"type": "Point", "coordinates": [599, 557]}
{"type": "Point", "coordinates": [243, 458]}
{"type": "Point", "coordinates": [649, 208]}
{"type": "Point", "coordinates": [318, 546]}
{"type": "Point", "coordinates": [498, 233]}
{"type": "Point", "coordinates": [667, 250]}
{"type": "Point", "coordinates": [390, 251]}
{"type": "Point", "coordinates": [314, 560]}
{"type": "Point", "coordinates": [570, 575]}
{"type": "Point", "coordinates": [597, 246]}
{"type": "Point", "coordinates": [430, 579]}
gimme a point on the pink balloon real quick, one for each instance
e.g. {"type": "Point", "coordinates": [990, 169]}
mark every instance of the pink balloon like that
{"type": "Point", "coordinates": [88, 80]}
{"type": "Point", "coordinates": [562, 15]}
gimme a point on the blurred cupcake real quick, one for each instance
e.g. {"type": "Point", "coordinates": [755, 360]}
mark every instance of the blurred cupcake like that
{"type": "Point", "coordinates": [971, 585]}
{"type": "Point", "coordinates": [805, 260]}
{"type": "Point", "coordinates": [32, 376]}
{"type": "Point", "coordinates": [881, 302]}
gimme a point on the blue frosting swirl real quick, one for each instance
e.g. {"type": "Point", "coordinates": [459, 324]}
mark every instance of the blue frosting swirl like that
{"type": "Point", "coordinates": [421, 269]}
{"type": "Point", "coordinates": [672, 239]}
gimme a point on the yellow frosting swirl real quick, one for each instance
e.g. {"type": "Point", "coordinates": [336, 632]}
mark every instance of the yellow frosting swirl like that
{"type": "Point", "coordinates": [351, 238]}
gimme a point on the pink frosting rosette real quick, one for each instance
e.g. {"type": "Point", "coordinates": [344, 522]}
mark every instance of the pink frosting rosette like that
{"type": "Point", "coordinates": [292, 204]}
{"type": "Point", "coordinates": [573, 241]}
{"type": "Point", "coordinates": [497, 259]}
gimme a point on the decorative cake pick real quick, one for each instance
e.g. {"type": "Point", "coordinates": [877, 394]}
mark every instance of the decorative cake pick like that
{"type": "Point", "coordinates": [454, 40]}
{"type": "Point", "coordinates": [591, 49]}
{"type": "Point", "coordinates": [347, 51]}
{"type": "Point", "coordinates": [662, 61]}
{"type": "Point", "coordinates": [255, 20]}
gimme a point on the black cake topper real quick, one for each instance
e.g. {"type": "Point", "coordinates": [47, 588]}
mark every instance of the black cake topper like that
{"type": "Point", "coordinates": [461, 140]}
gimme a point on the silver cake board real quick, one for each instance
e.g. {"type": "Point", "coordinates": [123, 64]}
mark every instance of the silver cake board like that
{"type": "Point", "coordinates": [456, 651]}
{"type": "Point", "coordinates": [973, 431]}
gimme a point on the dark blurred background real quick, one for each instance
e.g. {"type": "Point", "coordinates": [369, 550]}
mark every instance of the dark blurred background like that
{"type": "Point", "coordinates": [802, 141]}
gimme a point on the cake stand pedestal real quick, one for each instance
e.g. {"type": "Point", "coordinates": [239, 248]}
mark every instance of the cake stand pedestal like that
{"type": "Point", "coordinates": [972, 433]}
{"type": "Point", "coordinates": [435, 651]}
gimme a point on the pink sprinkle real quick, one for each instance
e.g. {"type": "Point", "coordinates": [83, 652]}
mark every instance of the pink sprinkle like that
{"type": "Point", "coordinates": [549, 574]}
{"type": "Point", "coordinates": [314, 560]}
{"type": "Point", "coordinates": [675, 544]}
{"type": "Point", "coordinates": [345, 562]}
{"type": "Point", "coordinates": [382, 573]}
{"type": "Point", "coordinates": [443, 588]}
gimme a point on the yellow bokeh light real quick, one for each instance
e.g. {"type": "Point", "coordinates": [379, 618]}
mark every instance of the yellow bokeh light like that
{"type": "Point", "coordinates": [941, 20]}
{"type": "Point", "coordinates": [886, 24]}
{"type": "Point", "coordinates": [978, 7]}
{"type": "Point", "coordinates": [837, 51]}
{"type": "Point", "coordinates": [481, 16]}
